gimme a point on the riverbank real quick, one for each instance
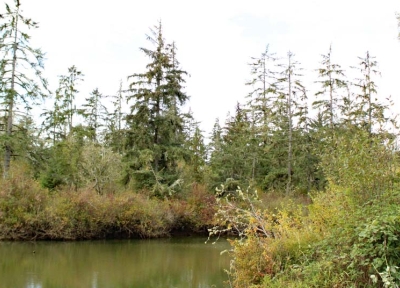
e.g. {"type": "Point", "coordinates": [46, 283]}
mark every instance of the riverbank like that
{"type": "Point", "coordinates": [342, 239]}
{"type": "Point", "coordinates": [30, 212]}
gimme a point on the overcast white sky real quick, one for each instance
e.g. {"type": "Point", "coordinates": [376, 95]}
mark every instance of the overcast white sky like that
{"type": "Point", "coordinates": [215, 40]}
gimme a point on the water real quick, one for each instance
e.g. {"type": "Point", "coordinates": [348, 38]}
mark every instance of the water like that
{"type": "Point", "coordinates": [175, 262]}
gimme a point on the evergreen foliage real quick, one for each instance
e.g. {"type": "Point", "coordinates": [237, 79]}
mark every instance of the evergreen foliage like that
{"type": "Point", "coordinates": [231, 158]}
{"type": "Point", "coordinates": [114, 134]}
{"type": "Point", "coordinates": [19, 85]}
{"type": "Point", "coordinates": [155, 134]}
{"type": "Point", "coordinates": [340, 153]}
{"type": "Point", "coordinates": [196, 151]}
{"type": "Point", "coordinates": [93, 111]}
{"type": "Point", "coordinates": [332, 79]}
{"type": "Point", "coordinates": [58, 123]}
{"type": "Point", "coordinates": [368, 110]}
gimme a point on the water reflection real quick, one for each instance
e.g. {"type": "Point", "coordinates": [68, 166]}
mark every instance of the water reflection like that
{"type": "Point", "coordinates": [181, 262]}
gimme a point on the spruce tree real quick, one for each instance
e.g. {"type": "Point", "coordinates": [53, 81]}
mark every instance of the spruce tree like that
{"type": "Point", "coordinates": [263, 84]}
{"type": "Point", "coordinates": [66, 94]}
{"type": "Point", "coordinates": [21, 69]}
{"type": "Point", "coordinates": [290, 108]}
{"type": "Point", "coordinates": [215, 156]}
{"type": "Point", "coordinates": [115, 123]}
{"type": "Point", "coordinates": [58, 122]}
{"type": "Point", "coordinates": [93, 112]}
{"type": "Point", "coordinates": [196, 151]}
{"type": "Point", "coordinates": [260, 104]}
{"type": "Point", "coordinates": [369, 110]}
{"type": "Point", "coordinates": [232, 159]}
{"type": "Point", "coordinates": [332, 79]}
{"type": "Point", "coordinates": [155, 123]}
{"type": "Point", "coordinates": [63, 164]}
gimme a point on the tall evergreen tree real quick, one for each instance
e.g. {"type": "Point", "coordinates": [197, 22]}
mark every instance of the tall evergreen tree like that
{"type": "Point", "coordinates": [232, 159]}
{"type": "Point", "coordinates": [263, 83]}
{"type": "Point", "coordinates": [18, 63]}
{"type": "Point", "coordinates": [63, 163]}
{"type": "Point", "coordinates": [93, 112]}
{"type": "Point", "coordinates": [196, 151]}
{"type": "Point", "coordinates": [66, 94]}
{"type": "Point", "coordinates": [368, 107]}
{"type": "Point", "coordinates": [332, 79]}
{"type": "Point", "coordinates": [214, 147]}
{"type": "Point", "coordinates": [155, 136]}
{"type": "Point", "coordinates": [58, 122]}
{"type": "Point", "coordinates": [114, 134]}
{"type": "Point", "coordinates": [293, 94]}
{"type": "Point", "coordinates": [260, 104]}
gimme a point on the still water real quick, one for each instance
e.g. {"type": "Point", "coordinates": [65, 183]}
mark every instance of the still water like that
{"type": "Point", "coordinates": [175, 262]}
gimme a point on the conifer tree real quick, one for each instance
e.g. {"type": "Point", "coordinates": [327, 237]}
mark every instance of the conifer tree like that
{"type": "Point", "coordinates": [260, 104]}
{"type": "Point", "coordinates": [63, 165]}
{"type": "Point", "coordinates": [155, 136]}
{"type": "Point", "coordinates": [58, 122]}
{"type": "Point", "coordinates": [332, 79]}
{"type": "Point", "coordinates": [66, 94]}
{"type": "Point", "coordinates": [196, 150]}
{"type": "Point", "coordinates": [215, 139]}
{"type": "Point", "coordinates": [293, 94]}
{"type": "Point", "coordinates": [368, 107]}
{"type": "Point", "coordinates": [21, 71]}
{"type": "Point", "coordinates": [263, 83]}
{"type": "Point", "coordinates": [115, 123]}
{"type": "Point", "coordinates": [93, 112]}
{"type": "Point", "coordinates": [54, 123]}
{"type": "Point", "coordinates": [198, 155]}
{"type": "Point", "coordinates": [232, 159]}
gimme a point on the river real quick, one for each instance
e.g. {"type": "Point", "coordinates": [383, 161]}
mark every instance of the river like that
{"type": "Point", "coordinates": [161, 263]}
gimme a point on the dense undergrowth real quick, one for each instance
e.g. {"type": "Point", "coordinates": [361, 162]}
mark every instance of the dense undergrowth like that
{"type": "Point", "coordinates": [336, 241]}
{"type": "Point", "coordinates": [347, 236]}
{"type": "Point", "coordinates": [30, 212]}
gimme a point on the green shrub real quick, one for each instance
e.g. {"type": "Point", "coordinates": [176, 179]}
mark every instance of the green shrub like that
{"type": "Point", "coordinates": [376, 249]}
{"type": "Point", "coordinates": [336, 242]}
{"type": "Point", "coordinates": [30, 212]}
{"type": "Point", "coordinates": [22, 202]}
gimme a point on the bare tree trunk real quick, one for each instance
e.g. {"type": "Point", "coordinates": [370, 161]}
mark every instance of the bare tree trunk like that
{"type": "Point", "coordinates": [71, 108]}
{"type": "Point", "coordinates": [368, 91]}
{"type": "Point", "coordinates": [289, 183]}
{"type": "Point", "coordinates": [330, 89]}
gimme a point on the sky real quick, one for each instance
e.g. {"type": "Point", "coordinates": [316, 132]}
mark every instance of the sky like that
{"type": "Point", "coordinates": [215, 40]}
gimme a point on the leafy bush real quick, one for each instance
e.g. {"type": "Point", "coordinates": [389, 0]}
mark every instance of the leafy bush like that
{"type": "Point", "coordinates": [376, 250]}
{"type": "Point", "coordinates": [22, 202]}
{"type": "Point", "coordinates": [30, 212]}
{"type": "Point", "coordinates": [333, 242]}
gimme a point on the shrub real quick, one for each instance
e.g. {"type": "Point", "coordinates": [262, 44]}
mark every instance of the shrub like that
{"type": "Point", "coordinates": [22, 202]}
{"type": "Point", "coordinates": [202, 207]}
{"type": "Point", "coordinates": [29, 212]}
{"type": "Point", "coordinates": [268, 242]}
{"type": "Point", "coordinates": [376, 252]}
{"type": "Point", "coordinates": [333, 242]}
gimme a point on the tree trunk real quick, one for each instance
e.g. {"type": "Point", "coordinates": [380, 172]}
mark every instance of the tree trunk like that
{"type": "Point", "coordinates": [289, 183]}
{"type": "Point", "coordinates": [368, 91]}
{"type": "Point", "coordinates": [156, 128]}
{"type": "Point", "coordinates": [11, 95]}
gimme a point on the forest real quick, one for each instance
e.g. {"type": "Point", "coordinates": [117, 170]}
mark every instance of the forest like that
{"type": "Point", "coordinates": [307, 181]}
